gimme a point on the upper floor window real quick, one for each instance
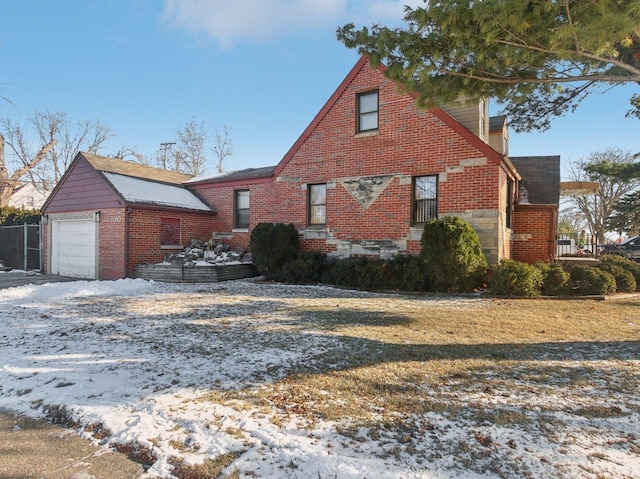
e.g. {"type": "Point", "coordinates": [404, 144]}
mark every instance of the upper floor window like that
{"type": "Point", "coordinates": [317, 204]}
{"type": "Point", "coordinates": [425, 198]}
{"type": "Point", "coordinates": [242, 209]}
{"type": "Point", "coordinates": [483, 125]}
{"type": "Point", "coordinates": [368, 111]}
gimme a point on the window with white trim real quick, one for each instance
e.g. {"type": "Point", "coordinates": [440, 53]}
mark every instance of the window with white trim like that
{"type": "Point", "coordinates": [367, 111]}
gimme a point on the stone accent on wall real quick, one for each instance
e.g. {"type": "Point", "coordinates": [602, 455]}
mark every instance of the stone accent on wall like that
{"type": "Point", "coordinates": [365, 189]}
{"type": "Point", "coordinates": [383, 249]}
{"type": "Point", "coordinates": [485, 223]}
{"type": "Point", "coordinates": [473, 162]}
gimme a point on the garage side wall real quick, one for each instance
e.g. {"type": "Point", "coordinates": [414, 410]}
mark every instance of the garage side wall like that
{"type": "Point", "coordinates": [111, 244]}
{"type": "Point", "coordinates": [144, 235]}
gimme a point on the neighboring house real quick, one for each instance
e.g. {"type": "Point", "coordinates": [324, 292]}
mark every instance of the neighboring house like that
{"type": "Point", "coordinates": [28, 197]}
{"type": "Point", "coordinates": [372, 168]}
{"type": "Point", "coordinates": [363, 178]}
{"type": "Point", "coordinates": [107, 215]}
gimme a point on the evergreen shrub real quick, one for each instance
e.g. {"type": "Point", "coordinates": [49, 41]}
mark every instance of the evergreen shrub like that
{"type": "Point", "coordinates": [513, 278]}
{"type": "Point", "coordinates": [625, 282]}
{"type": "Point", "coordinates": [453, 256]}
{"type": "Point", "coordinates": [272, 245]}
{"type": "Point", "coordinates": [625, 263]}
{"type": "Point", "coordinates": [555, 280]}
{"type": "Point", "coordinates": [588, 280]}
{"type": "Point", "coordinates": [12, 216]}
{"type": "Point", "coordinates": [307, 268]}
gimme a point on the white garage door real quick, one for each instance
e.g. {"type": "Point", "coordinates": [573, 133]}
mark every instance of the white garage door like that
{"type": "Point", "coordinates": [73, 248]}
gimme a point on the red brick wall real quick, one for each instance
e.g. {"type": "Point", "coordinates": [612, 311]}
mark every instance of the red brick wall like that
{"type": "Point", "coordinates": [534, 233]}
{"type": "Point", "coordinates": [409, 143]}
{"type": "Point", "coordinates": [111, 243]}
{"type": "Point", "coordinates": [144, 233]}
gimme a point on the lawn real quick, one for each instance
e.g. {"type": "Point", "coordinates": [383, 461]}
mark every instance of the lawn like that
{"type": "Point", "coordinates": [250, 379]}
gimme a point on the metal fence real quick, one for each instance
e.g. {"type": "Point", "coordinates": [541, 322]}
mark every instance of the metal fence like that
{"type": "Point", "coordinates": [21, 246]}
{"type": "Point", "coordinates": [579, 245]}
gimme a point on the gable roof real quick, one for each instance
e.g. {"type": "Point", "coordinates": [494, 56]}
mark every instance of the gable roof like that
{"type": "Point", "coordinates": [140, 191]}
{"type": "Point", "coordinates": [541, 178]}
{"type": "Point", "coordinates": [137, 184]}
{"type": "Point", "coordinates": [491, 154]}
{"type": "Point", "coordinates": [136, 170]}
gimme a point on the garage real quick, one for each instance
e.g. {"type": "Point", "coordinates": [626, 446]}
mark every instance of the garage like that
{"type": "Point", "coordinates": [73, 248]}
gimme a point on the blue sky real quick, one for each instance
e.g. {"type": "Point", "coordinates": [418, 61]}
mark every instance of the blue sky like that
{"type": "Point", "coordinates": [264, 68]}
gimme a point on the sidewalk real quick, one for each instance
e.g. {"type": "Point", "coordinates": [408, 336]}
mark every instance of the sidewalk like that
{"type": "Point", "coordinates": [35, 449]}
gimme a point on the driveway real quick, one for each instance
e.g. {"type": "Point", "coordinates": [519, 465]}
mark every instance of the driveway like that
{"type": "Point", "coordinates": [10, 279]}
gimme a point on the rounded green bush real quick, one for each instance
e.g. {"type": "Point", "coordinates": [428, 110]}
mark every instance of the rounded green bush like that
{"type": "Point", "coordinates": [513, 278]}
{"type": "Point", "coordinates": [588, 280]}
{"type": "Point", "coordinates": [452, 254]}
{"type": "Point", "coordinates": [625, 282]}
{"type": "Point", "coordinates": [625, 263]}
{"type": "Point", "coordinates": [555, 280]}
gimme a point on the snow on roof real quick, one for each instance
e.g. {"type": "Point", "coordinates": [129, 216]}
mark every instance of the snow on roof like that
{"type": "Point", "coordinates": [136, 190]}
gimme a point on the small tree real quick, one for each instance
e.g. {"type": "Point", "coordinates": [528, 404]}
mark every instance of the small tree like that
{"type": "Point", "coordinates": [44, 148]}
{"type": "Point", "coordinates": [453, 255]}
{"type": "Point", "coordinates": [626, 214]}
{"type": "Point", "coordinates": [600, 167]}
{"type": "Point", "coordinates": [223, 147]}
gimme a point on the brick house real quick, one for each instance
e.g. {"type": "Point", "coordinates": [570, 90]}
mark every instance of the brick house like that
{"type": "Point", "coordinates": [362, 179]}
{"type": "Point", "coordinates": [106, 215]}
{"type": "Point", "coordinates": [372, 168]}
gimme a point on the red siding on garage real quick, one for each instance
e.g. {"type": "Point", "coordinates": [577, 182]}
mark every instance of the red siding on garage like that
{"type": "Point", "coordinates": [82, 188]}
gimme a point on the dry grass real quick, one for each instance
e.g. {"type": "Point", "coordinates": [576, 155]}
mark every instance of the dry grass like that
{"type": "Point", "coordinates": [397, 356]}
{"type": "Point", "coordinates": [379, 367]}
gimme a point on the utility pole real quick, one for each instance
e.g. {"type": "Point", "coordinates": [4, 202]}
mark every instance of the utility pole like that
{"type": "Point", "coordinates": [165, 147]}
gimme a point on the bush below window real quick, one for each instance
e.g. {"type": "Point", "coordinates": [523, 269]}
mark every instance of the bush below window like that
{"type": "Point", "coordinates": [453, 256]}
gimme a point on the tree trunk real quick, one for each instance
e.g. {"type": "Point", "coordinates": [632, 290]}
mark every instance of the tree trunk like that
{"type": "Point", "coordinates": [8, 183]}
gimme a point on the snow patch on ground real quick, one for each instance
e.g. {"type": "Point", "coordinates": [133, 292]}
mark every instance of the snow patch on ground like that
{"type": "Point", "coordinates": [141, 359]}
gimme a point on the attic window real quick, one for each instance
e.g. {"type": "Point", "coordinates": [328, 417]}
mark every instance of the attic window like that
{"type": "Point", "coordinates": [367, 111]}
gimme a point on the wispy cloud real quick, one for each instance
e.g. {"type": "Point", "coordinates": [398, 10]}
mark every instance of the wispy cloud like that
{"type": "Point", "coordinates": [232, 21]}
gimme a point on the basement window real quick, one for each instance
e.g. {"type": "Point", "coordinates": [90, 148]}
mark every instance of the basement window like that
{"type": "Point", "coordinates": [170, 232]}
